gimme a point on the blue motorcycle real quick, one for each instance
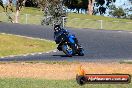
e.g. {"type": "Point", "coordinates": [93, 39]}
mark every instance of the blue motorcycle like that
{"type": "Point", "coordinates": [68, 43]}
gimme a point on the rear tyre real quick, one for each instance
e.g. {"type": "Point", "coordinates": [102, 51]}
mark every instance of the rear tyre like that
{"type": "Point", "coordinates": [81, 52]}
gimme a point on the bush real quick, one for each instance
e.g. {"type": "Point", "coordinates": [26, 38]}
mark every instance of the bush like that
{"type": "Point", "coordinates": [130, 17]}
{"type": "Point", "coordinates": [119, 13]}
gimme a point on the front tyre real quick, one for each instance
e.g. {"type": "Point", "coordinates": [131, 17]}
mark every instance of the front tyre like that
{"type": "Point", "coordinates": [81, 80]}
{"type": "Point", "coordinates": [67, 50]}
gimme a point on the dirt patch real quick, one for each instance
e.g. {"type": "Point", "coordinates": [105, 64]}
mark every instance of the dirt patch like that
{"type": "Point", "coordinates": [59, 71]}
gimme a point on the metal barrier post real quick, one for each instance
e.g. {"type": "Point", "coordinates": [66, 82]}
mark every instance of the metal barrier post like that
{"type": "Point", "coordinates": [64, 21]}
{"type": "Point", "coordinates": [101, 21]}
{"type": "Point", "coordinates": [26, 18]}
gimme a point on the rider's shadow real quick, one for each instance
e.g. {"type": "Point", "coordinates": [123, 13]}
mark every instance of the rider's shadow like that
{"type": "Point", "coordinates": [63, 56]}
{"type": "Point", "coordinates": [60, 56]}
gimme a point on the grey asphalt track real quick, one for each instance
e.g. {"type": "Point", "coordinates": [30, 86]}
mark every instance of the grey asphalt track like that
{"type": "Point", "coordinates": [99, 45]}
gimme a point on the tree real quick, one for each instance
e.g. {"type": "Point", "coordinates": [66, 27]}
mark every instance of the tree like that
{"type": "Point", "coordinates": [1, 4]}
{"type": "Point", "coordinates": [18, 4]}
{"type": "Point", "coordinates": [102, 5]}
{"type": "Point", "coordinates": [9, 5]}
{"type": "Point", "coordinates": [118, 12]}
{"type": "Point", "coordinates": [54, 10]}
{"type": "Point", "coordinates": [130, 17]}
{"type": "Point", "coordinates": [32, 3]}
{"type": "Point", "coordinates": [77, 5]}
{"type": "Point", "coordinates": [90, 7]}
{"type": "Point", "coordinates": [73, 4]}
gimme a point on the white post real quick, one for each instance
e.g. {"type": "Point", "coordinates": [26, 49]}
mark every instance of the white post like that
{"type": "Point", "coordinates": [101, 21]}
{"type": "Point", "coordinates": [26, 18]}
{"type": "Point", "coordinates": [53, 24]}
{"type": "Point", "coordinates": [64, 21]}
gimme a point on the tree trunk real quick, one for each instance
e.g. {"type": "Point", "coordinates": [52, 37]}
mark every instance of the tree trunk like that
{"type": "Point", "coordinates": [1, 4]}
{"type": "Point", "coordinates": [90, 7]}
{"type": "Point", "coordinates": [17, 12]}
{"type": "Point", "coordinates": [17, 16]}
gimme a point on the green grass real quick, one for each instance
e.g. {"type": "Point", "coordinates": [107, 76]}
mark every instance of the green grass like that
{"type": "Point", "coordinates": [33, 11]}
{"type": "Point", "coordinates": [34, 15]}
{"type": "Point", "coordinates": [44, 61]}
{"type": "Point", "coordinates": [125, 62]}
{"type": "Point", "coordinates": [42, 83]}
{"type": "Point", "coordinates": [93, 17]}
{"type": "Point", "coordinates": [26, 10]}
{"type": "Point", "coordinates": [13, 45]}
{"type": "Point", "coordinates": [85, 21]}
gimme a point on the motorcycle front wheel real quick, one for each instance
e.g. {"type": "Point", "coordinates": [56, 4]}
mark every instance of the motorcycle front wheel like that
{"type": "Point", "coordinates": [67, 50]}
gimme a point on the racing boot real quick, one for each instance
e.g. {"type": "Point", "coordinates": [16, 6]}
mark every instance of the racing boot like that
{"type": "Point", "coordinates": [59, 48]}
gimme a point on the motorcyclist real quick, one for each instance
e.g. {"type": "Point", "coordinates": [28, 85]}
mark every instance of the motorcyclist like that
{"type": "Point", "coordinates": [59, 34]}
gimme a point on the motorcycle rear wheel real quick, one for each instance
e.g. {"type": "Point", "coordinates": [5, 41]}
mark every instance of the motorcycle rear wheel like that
{"type": "Point", "coordinates": [81, 52]}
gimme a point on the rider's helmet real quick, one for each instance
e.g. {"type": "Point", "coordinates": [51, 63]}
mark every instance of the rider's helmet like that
{"type": "Point", "coordinates": [57, 28]}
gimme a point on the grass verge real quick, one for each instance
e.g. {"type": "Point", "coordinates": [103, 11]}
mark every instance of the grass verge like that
{"type": "Point", "coordinates": [43, 62]}
{"type": "Point", "coordinates": [126, 62]}
{"type": "Point", "coordinates": [42, 83]}
{"type": "Point", "coordinates": [83, 20]}
{"type": "Point", "coordinates": [87, 21]}
{"type": "Point", "coordinates": [52, 62]}
{"type": "Point", "coordinates": [14, 45]}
